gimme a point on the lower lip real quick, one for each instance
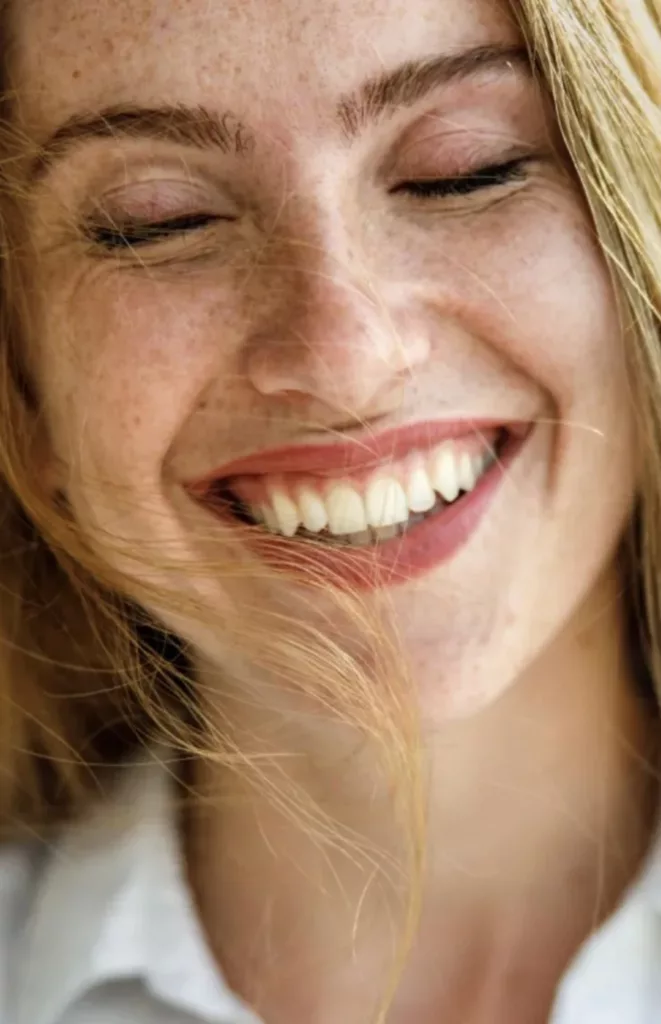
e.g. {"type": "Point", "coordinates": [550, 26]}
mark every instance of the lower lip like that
{"type": "Point", "coordinates": [408, 557]}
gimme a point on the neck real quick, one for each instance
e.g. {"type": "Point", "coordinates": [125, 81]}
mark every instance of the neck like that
{"type": "Point", "coordinates": [539, 811]}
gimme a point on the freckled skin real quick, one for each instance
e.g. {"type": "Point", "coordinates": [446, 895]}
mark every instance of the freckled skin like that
{"type": "Point", "coordinates": [328, 301]}
{"type": "Point", "coordinates": [322, 298]}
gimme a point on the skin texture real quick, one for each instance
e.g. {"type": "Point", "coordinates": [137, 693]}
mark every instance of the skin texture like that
{"type": "Point", "coordinates": [325, 302]}
{"type": "Point", "coordinates": [328, 301]}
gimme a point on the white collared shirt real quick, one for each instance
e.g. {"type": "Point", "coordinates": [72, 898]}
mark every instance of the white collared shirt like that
{"type": "Point", "coordinates": [101, 929]}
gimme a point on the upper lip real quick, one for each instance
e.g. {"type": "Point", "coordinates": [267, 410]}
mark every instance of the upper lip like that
{"type": "Point", "coordinates": [361, 453]}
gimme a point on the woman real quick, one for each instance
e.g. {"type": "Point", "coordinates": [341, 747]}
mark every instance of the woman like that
{"type": "Point", "coordinates": [331, 574]}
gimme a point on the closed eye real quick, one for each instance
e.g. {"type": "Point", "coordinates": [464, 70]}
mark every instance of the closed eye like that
{"type": "Point", "coordinates": [492, 176]}
{"type": "Point", "coordinates": [133, 234]}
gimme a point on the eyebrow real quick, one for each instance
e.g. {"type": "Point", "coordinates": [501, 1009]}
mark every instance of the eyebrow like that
{"type": "Point", "coordinates": [202, 128]}
{"type": "Point", "coordinates": [188, 126]}
{"type": "Point", "coordinates": [413, 81]}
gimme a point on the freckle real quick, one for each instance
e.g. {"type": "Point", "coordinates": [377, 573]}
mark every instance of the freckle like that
{"type": "Point", "coordinates": [76, 74]}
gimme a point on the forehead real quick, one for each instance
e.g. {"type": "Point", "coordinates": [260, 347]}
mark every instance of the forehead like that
{"type": "Point", "coordinates": [252, 55]}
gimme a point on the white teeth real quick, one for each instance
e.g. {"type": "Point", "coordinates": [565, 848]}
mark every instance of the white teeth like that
{"type": "Point", "coordinates": [444, 476]}
{"type": "Point", "coordinates": [387, 506]}
{"type": "Point", "coordinates": [386, 503]}
{"type": "Point", "coordinates": [420, 494]}
{"type": "Point", "coordinates": [270, 518]}
{"type": "Point", "coordinates": [286, 513]}
{"type": "Point", "coordinates": [346, 511]}
{"type": "Point", "coordinates": [313, 511]}
{"type": "Point", "coordinates": [467, 475]}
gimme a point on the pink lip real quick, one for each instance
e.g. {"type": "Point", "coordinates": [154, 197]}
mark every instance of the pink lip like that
{"type": "Point", "coordinates": [352, 456]}
{"type": "Point", "coordinates": [423, 547]}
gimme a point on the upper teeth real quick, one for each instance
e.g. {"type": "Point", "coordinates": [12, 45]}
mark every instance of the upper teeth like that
{"type": "Point", "coordinates": [386, 501]}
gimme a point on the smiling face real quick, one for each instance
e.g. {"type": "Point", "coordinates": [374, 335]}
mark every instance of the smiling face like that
{"type": "Point", "coordinates": [270, 225]}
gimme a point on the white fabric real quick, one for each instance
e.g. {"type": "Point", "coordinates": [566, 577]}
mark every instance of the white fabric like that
{"type": "Point", "coordinates": [101, 929]}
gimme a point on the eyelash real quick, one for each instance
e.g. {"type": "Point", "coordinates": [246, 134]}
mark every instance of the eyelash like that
{"type": "Point", "coordinates": [135, 235]}
{"type": "Point", "coordinates": [492, 176]}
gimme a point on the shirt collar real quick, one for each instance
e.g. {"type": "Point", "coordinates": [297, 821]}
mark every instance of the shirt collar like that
{"type": "Point", "coordinates": [615, 977]}
{"type": "Point", "coordinates": [112, 903]}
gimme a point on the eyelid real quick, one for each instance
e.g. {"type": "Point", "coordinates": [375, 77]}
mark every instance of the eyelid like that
{"type": "Point", "coordinates": [430, 171]}
{"type": "Point", "coordinates": [484, 180]}
{"type": "Point", "coordinates": [454, 143]}
{"type": "Point", "coordinates": [159, 199]}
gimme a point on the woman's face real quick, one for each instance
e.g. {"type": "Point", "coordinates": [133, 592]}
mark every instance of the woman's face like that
{"type": "Point", "coordinates": [270, 225]}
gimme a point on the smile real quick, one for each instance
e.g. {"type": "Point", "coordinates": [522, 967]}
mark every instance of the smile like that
{"type": "Point", "coordinates": [386, 508]}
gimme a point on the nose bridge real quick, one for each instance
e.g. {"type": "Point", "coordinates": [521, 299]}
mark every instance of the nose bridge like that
{"type": "Point", "coordinates": [328, 269]}
{"type": "Point", "coordinates": [336, 313]}
{"type": "Point", "coordinates": [329, 332]}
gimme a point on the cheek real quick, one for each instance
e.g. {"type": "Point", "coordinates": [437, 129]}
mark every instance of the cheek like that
{"type": "Point", "coordinates": [529, 282]}
{"type": "Point", "coordinates": [552, 312]}
{"type": "Point", "coordinates": [125, 362]}
{"type": "Point", "coordinates": [567, 334]}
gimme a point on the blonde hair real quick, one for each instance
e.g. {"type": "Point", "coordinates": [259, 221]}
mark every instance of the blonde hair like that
{"type": "Point", "coordinates": [86, 676]}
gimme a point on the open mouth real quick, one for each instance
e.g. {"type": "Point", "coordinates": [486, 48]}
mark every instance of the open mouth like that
{"type": "Point", "coordinates": [370, 507]}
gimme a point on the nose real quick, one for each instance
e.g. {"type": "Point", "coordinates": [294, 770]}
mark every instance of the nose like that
{"type": "Point", "coordinates": [337, 340]}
